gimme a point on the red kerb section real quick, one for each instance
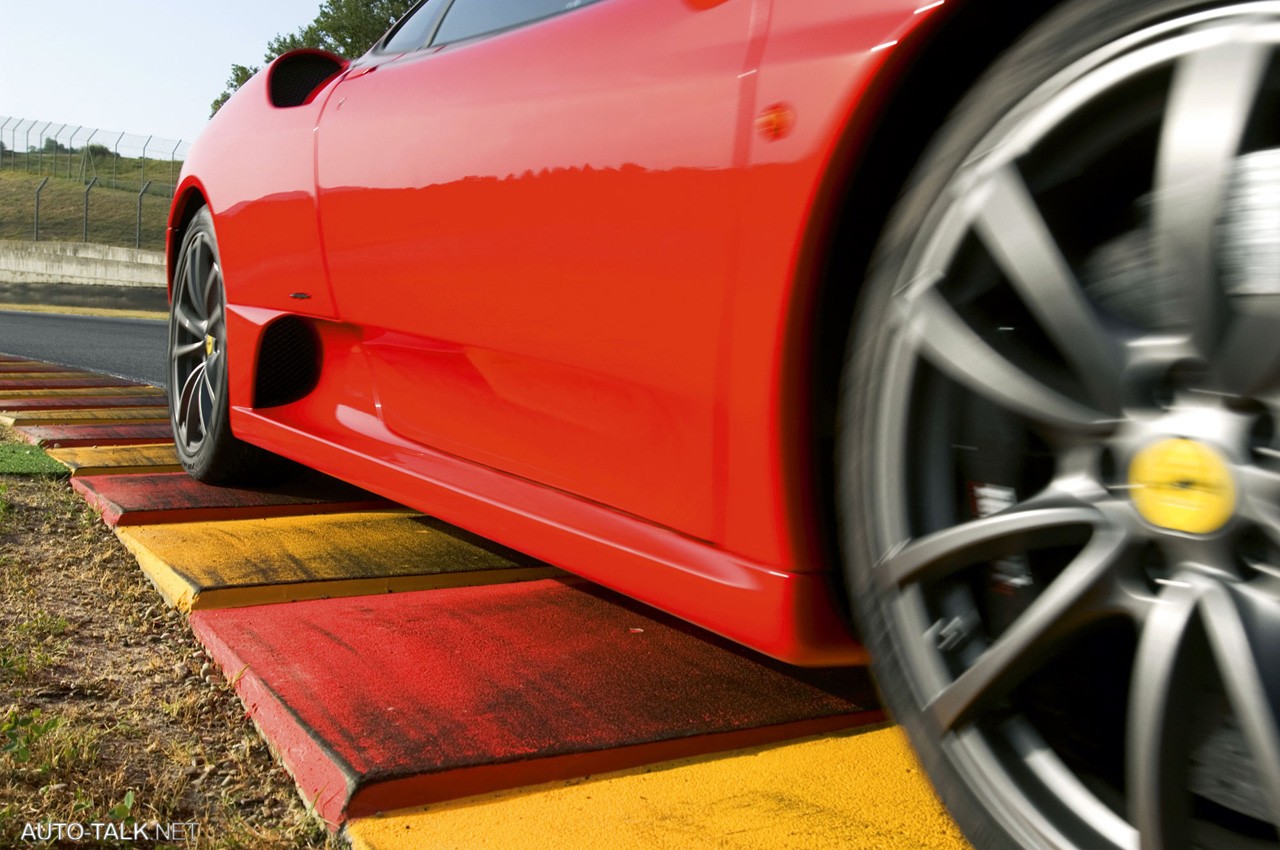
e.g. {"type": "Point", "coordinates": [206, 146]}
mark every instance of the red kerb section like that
{"type": "Point", "coordinates": [149, 498]}
{"type": "Point", "coordinates": [74, 436]}
{"type": "Point", "coordinates": [384, 702]}
{"type": "Point", "coordinates": [55, 381]}
{"type": "Point", "coordinates": [81, 402]}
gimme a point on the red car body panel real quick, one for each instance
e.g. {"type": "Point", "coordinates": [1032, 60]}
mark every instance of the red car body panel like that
{"type": "Point", "coordinates": [549, 340]}
{"type": "Point", "coordinates": [554, 275]}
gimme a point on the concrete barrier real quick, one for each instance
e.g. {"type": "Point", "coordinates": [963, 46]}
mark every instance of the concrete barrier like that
{"type": "Point", "coordinates": [80, 264]}
{"type": "Point", "coordinates": [73, 274]}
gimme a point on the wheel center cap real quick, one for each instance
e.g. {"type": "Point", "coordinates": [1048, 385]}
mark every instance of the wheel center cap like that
{"type": "Point", "coordinates": [208, 345]}
{"type": "Point", "coordinates": [1182, 485]}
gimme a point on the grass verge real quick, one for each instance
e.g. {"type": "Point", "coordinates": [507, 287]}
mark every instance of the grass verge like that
{"type": "Point", "coordinates": [113, 213]}
{"type": "Point", "coordinates": [110, 712]}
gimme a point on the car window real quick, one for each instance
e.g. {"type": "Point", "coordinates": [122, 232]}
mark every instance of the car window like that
{"type": "Point", "coordinates": [469, 18]}
{"type": "Point", "coordinates": [415, 29]}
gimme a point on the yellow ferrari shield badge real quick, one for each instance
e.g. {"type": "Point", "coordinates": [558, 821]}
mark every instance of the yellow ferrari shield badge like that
{"type": "Point", "coordinates": [1182, 485]}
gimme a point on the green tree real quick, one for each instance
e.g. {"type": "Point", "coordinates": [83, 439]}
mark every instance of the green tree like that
{"type": "Point", "coordinates": [240, 75]}
{"type": "Point", "coordinates": [345, 27]}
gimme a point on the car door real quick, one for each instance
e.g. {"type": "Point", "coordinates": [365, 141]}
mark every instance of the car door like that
{"type": "Point", "coordinates": [533, 218]}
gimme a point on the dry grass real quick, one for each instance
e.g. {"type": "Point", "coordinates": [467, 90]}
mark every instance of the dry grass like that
{"type": "Point", "coordinates": [109, 709]}
{"type": "Point", "coordinates": [113, 213]}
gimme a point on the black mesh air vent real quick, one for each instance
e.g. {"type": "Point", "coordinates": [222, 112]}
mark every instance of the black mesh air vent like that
{"type": "Point", "coordinates": [288, 363]}
{"type": "Point", "coordinates": [296, 76]}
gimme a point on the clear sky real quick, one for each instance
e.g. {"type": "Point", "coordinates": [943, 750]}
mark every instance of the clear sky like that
{"type": "Point", "coordinates": [149, 67]}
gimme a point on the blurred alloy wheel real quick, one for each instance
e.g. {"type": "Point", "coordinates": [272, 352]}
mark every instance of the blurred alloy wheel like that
{"type": "Point", "coordinates": [1060, 463]}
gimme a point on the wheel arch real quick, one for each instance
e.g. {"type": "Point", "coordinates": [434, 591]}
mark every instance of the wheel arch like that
{"type": "Point", "coordinates": [188, 201]}
{"type": "Point", "coordinates": [881, 142]}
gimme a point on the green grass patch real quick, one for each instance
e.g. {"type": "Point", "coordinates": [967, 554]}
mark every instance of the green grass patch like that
{"type": "Point", "coordinates": [19, 459]}
{"type": "Point", "coordinates": [44, 625]}
{"type": "Point", "coordinates": [19, 732]}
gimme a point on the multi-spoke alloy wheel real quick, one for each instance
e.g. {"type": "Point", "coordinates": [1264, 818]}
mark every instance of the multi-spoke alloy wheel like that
{"type": "Point", "coordinates": [198, 406]}
{"type": "Point", "coordinates": [1061, 467]}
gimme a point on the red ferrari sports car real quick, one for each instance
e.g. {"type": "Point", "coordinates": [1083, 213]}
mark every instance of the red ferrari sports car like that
{"type": "Point", "coordinates": [954, 324]}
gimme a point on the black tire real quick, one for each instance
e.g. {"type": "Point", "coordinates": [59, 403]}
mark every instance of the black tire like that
{"type": "Point", "coordinates": [1080, 290]}
{"type": "Point", "coordinates": [199, 411]}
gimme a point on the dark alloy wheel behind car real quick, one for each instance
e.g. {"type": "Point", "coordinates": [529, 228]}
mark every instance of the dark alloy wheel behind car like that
{"type": "Point", "coordinates": [198, 406]}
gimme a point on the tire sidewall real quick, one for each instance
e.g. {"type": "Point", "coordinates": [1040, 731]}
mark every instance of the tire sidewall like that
{"type": "Point", "coordinates": [204, 461]}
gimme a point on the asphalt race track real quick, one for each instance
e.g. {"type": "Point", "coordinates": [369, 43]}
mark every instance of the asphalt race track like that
{"type": "Point", "coordinates": [127, 348]}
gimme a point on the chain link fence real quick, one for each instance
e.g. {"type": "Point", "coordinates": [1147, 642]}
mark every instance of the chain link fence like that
{"type": "Point", "coordinates": [62, 182]}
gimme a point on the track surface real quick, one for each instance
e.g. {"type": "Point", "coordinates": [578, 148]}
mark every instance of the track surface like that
{"type": "Point", "coordinates": [128, 348]}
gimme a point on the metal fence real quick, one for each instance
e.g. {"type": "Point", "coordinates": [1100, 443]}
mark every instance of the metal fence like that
{"type": "Point", "coordinates": [64, 182]}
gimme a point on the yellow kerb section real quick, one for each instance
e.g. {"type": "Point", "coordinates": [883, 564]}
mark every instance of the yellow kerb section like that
{"type": "Point", "coordinates": [234, 563]}
{"type": "Point", "coordinates": [1182, 485]}
{"type": "Point", "coordinates": [856, 790]}
{"type": "Point", "coordinates": [106, 415]}
{"type": "Point", "coordinates": [118, 460]}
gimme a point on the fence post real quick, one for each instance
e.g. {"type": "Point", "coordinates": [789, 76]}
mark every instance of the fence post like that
{"type": "Point", "coordinates": [87, 190]}
{"type": "Point", "coordinates": [71, 147]}
{"type": "Point", "coordinates": [13, 142]}
{"type": "Point", "coordinates": [84, 152]}
{"type": "Point", "coordinates": [36, 233]}
{"type": "Point", "coordinates": [40, 141]}
{"type": "Point", "coordinates": [138, 240]}
{"type": "Point", "coordinates": [116, 161]}
{"type": "Point", "coordinates": [144, 158]}
{"type": "Point", "coordinates": [26, 162]}
{"type": "Point", "coordinates": [173, 158]}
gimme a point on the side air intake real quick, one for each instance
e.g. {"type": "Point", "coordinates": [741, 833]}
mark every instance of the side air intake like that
{"type": "Point", "coordinates": [288, 363]}
{"type": "Point", "coordinates": [297, 76]}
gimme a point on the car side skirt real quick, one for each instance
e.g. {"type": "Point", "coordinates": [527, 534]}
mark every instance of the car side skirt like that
{"type": "Point", "coordinates": [336, 428]}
